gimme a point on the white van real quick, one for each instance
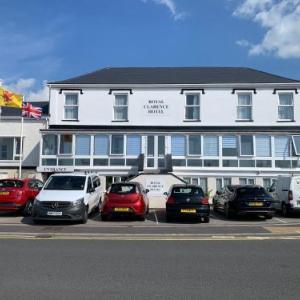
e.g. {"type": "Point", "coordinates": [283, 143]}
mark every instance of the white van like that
{"type": "Point", "coordinates": [67, 197]}
{"type": "Point", "coordinates": [286, 193]}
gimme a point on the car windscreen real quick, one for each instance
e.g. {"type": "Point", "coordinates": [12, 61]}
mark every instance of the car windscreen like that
{"type": "Point", "coordinates": [251, 191]}
{"type": "Point", "coordinates": [123, 188]}
{"type": "Point", "coordinates": [11, 184]}
{"type": "Point", "coordinates": [65, 183]}
{"type": "Point", "coordinates": [187, 191]}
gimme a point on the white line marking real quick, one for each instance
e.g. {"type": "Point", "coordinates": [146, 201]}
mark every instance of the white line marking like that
{"type": "Point", "coordinates": [284, 222]}
{"type": "Point", "coordinates": [155, 217]}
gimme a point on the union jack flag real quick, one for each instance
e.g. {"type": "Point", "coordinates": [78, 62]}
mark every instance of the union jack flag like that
{"type": "Point", "coordinates": [30, 111]}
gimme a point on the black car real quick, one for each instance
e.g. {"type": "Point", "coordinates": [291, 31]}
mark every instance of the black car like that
{"type": "Point", "coordinates": [236, 200]}
{"type": "Point", "coordinates": [187, 200]}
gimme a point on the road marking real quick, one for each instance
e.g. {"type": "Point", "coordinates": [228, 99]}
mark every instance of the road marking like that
{"type": "Point", "coordinates": [280, 220]}
{"type": "Point", "coordinates": [155, 217]}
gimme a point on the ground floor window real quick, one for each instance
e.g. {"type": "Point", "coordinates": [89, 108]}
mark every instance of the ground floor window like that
{"type": "Point", "coordinates": [201, 181]}
{"type": "Point", "coordinates": [244, 181]}
{"type": "Point", "coordinates": [221, 182]}
{"type": "Point", "coordinates": [267, 182]}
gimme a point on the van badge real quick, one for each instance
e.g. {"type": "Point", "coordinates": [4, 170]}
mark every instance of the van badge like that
{"type": "Point", "coordinates": [54, 205]}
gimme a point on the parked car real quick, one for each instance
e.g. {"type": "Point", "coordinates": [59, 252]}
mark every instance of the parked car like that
{"type": "Point", "coordinates": [67, 197]}
{"type": "Point", "coordinates": [286, 193]}
{"type": "Point", "coordinates": [236, 200]}
{"type": "Point", "coordinates": [125, 198]}
{"type": "Point", "coordinates": [187, 200]}
{"type": "Point", "coordinates": [19, 194]}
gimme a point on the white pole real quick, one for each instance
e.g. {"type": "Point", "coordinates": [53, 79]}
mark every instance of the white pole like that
{"type": "Point", "coordinates": [21, 148]}
{"type": "Point", "coordinates": [21, 143]}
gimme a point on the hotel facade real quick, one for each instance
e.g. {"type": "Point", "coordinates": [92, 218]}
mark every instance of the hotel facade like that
{"type": "Point", "coordinates": [208, 126]}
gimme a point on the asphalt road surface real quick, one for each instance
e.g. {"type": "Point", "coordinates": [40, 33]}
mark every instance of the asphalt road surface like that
{"type": "Point", "coordinates": [90, 269]}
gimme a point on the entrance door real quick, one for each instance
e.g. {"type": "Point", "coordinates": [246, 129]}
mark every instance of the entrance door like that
{"type": "Point", "coordinates": [155, 151]}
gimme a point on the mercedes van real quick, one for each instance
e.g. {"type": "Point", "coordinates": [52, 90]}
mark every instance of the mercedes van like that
{"type": "Point", "coordinates": [286, 193]}
{"type": "Point", "coordinates": [67, 197]}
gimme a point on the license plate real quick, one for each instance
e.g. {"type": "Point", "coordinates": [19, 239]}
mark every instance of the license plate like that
{"type": "Point", "coordinates": [121, 209]}
{"type": "Point", "coordinates": [188, 211]}
{"type": "Point", "coordinates": [4, 193]}
{"type": "Point", "coordinates": [255, 204]}
{"type": "Point", "coordinates": [54, 213]}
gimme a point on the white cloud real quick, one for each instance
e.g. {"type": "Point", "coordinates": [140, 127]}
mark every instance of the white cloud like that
{"type": "Point", "coordinates": [26, 87]}
{"type": "Point", "coordinates": [171, 6]}
{"type": "Point", "coordinates": [281, 21]}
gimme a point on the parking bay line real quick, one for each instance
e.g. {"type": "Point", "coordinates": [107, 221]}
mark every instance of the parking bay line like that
{"type": "Point", "coordinates": [280, 220]}
{"type": "Point", "coordinates": [155, 217]}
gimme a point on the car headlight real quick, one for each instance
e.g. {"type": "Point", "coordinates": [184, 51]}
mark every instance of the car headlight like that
{"type": "Point", "coordinates": [78, 202]}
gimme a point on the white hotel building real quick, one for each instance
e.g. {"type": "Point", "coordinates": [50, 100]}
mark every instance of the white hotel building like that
{"type": "Point", "coordinates": [209, 126]}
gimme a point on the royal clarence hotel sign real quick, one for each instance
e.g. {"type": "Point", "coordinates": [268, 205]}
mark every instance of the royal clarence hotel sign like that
{"type": "Point", "coordinates": [156, 108]}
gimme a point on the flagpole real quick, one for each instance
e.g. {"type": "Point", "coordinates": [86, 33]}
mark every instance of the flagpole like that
{"type": "Point", "coordinates": [21, 144]}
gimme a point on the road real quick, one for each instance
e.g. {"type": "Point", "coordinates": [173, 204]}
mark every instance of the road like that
{"type": "Point", "coordinates": [89, 269]}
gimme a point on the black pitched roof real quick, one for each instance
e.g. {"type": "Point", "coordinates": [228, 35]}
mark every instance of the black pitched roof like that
{"type": "Point", "coordinates": [17, 112]}
{"type": "Point", "coordinates": [176, 75]}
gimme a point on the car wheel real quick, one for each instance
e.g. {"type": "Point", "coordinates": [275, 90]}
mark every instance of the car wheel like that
{"type": "Point", "coordinates": [205, 219]}
{"type": "Point", "coordinates": [168, 218]}
{"type": "Point", "coordinates": [285, 210]}
{"type": "Point", "coordinates": [85, 215]}
{"type": "Point", "coordinates": [227, 211]}
{"type": "Point", "coordinates": [142, 218]}
{"type": "Point", "coordinates": [147, 211]}
{"type": "Point", "coordinates": [27, 210]}
{"type": "Point", "coordinates": [104, 218]}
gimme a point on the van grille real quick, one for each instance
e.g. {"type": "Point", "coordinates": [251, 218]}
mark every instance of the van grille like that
{"type": "Point", "coordinates": [56, 204]}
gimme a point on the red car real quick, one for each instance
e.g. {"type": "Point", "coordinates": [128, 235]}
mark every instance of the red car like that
{"type": "Point", "coordinates": [125, 198]}
{"type": "Point", "coordinates": [19, 194]}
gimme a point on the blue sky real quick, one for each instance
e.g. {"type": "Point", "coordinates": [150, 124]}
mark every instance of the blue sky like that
{"type": "Point", "coordinates": [52, 40]}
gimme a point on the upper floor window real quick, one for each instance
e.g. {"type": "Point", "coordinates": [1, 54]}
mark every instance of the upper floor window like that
{"type": "Point", "coordinates": [101, 143]}
{"type": "Point", "coordinates": [121, 107]}
{"type": "Point", "coordinates": [117, 145]}
{"type": "Point", "coordinates": [9, 148]}
{"type": "Point", "coordinates": [82, 146]}
{"type": "Point", "coordinates": [286, 107]}
{"type": "Point", "coordinates": [244, 108]}
{"type": "Point", "coordinates": [229, 145]}
{"type": "Point", "coordinates": [66, 144]}
{"type": "Point", "coordinates": [246, 145]}
{"type": "Point", "coordinates": [71, 107]}
{"type": "Point", "coordinates": [194, 145]}
{"type": "Point", "coordinates": [210, 145]}
{"type": "Point", "coordinates": [178, 145]}
{"type": "Point", "coordinates": [133, 145]}
{"type": "Point", "coordinates": [49, 144]}
{"type": "Point", "coordinates": [192, 107]}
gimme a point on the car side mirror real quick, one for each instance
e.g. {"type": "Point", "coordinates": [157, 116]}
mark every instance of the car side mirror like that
{"type": "Point", "coordinates": [271, 190]}
{"type": "Point", "coordinates": [165, 193]}
{"type": "Point", "coordinates": [218, 193]}
{"type": "Point", "coordinates": [146, 191]}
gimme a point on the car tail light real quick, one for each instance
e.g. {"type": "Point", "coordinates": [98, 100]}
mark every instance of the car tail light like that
{"type": "Point", "coordinates": [290, 196]}
{"type": "Point", "coordinates": [171, 200]}
{"type": "Point", "coordinates": [204, 201]}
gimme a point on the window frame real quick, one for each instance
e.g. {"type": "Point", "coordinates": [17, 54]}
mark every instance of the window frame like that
{"type": "Point", "coordinates": [242, 105]}
{"type": "Point", "coordinates": [294, 145]}
{"type": "Point", "coordinates": [122, 106]}
{"type": "Point", "coordinates": [284, 105]}
{"type": "Point", "coordinates": [71, 105]}
{"type": "Point", "coordinates": [194, 106]}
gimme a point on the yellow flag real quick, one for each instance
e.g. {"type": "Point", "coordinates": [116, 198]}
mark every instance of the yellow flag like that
{"type": "Point", "coordinates": [9, 99]}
